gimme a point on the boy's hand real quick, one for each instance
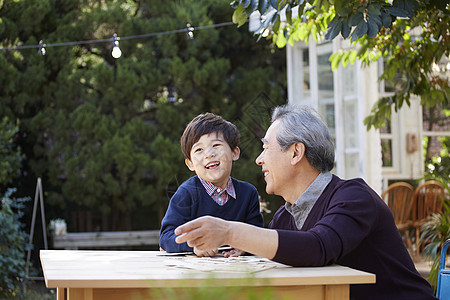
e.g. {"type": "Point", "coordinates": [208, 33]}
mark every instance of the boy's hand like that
{"type": "Point", "coordinates": [203, 253]}
{"type": "Point", "coordinates": [233, 253]}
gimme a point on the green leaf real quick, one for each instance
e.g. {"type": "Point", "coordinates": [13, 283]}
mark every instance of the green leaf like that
{"type": "Point", "coordinates": [346, 29]}
{"type": "Point", "coordinates": [352, 56]}
{"type": "Point", "coordinates": [398, 12]}
{"type": "Point", "coordinates": [281, 41]}
{"type": "Point", "coordinates": [345, 58]}
{"type": "Point", "coordinates": [355, 19]}
{"type": "Point", "coordinates": [361, 9]}
{"type": "Point", "coordinates": [325, 5]}
{"type": "Point", "coordinates": [333, 31]}
{"type": "Point", "coordinates": [377, 20]}
{"type": "Point", "coordinates": [315, 32]}
{"type": "Point", "coordinates": [276, 25]}
{"type": "Point", "coordinates": [239, 16]}
{"type": "Point", "coordinates": [372, 28]}
{"type": "Point", "coordinates": [343, 7]}
{"type": "Point", "coordinates": [274, 3]}
{"type": "Point", "coordinates": [372, 10]}
{"type": "Point", "coordinates": [411, 6]}
{"type": "Point", "coordinates": [335, 59]}
{"type": "Point", "coordinates": [252, 7]}
{"type": "Point", "coordinates": [359, 31]}
{"type": "Point", "coordinates": [262, 6]}
{"type": "Point", "coordinates": [399, 3]}
{"type": "Point", "coordinates": [289, 16]}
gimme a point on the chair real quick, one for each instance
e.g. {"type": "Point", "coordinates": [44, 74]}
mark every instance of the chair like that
{"type": "Point", "coordinates": [399, 198]}
{"type": "Point", "coordinates": [427, 200]}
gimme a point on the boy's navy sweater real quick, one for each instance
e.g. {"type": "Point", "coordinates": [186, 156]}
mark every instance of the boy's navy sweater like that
{"type": "Point", "coordinates": [192, 201]}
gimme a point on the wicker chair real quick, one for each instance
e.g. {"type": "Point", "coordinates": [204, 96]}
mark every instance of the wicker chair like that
{"type": "Point", "coordinates": [427, 200]}
{"type": "Point", "coordinates": [399, 198]}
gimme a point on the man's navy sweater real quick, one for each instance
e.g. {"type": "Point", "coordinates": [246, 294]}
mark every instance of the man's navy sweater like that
{"type": "Point", "coordinates": [350, 225]}
{"type": "Point", "coordinates": [192, 201]}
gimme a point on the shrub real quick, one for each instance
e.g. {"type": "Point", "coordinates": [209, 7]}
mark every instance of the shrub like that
{"type": "Point", "coordinates": [13, 244]}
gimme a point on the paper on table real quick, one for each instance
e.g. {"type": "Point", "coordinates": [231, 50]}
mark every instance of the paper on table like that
{"type": "Point", "coordinates": [239, 264]}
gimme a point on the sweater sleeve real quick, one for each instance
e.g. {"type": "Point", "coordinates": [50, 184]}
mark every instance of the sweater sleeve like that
{"type": "Point", "coordinates": [345, 223]}
{"type": "Point", "coordinates": [177, 213]}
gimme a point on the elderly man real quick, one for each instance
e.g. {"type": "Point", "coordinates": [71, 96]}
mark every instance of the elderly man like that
{"type": "Point", "coordinates": [325, 219]}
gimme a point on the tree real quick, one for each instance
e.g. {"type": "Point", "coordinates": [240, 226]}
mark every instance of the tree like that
{"type": "Point", "coordinates": [413, 37]}
{"type": "Point", "coordinates": [10, 155]}
{"type": "Point", "coordinates": [103, 133]}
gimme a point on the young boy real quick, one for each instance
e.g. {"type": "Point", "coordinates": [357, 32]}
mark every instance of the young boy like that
{"type": "Point", "coordinates": [209, 145]}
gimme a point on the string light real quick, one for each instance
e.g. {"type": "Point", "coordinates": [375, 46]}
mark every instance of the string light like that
{"type": "Point", "coordinates": [116, 52]}
{"type": "Point", "coordinates": [189, 30]}
{"type": "Point", "coordinates": [41, 50]}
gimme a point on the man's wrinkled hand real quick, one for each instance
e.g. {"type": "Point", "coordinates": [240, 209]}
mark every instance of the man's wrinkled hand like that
{"type": "Point", "coordinates": [203, 233]}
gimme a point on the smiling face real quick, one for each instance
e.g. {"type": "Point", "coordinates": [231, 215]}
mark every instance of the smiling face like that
{"type": "Point", "coordinates": [212, 159]}
{"type": "Point", "coordinates": [276, 164]}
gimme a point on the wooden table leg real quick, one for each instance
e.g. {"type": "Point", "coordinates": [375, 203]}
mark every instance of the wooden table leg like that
{"type": "Point", "coordinates": [335, 292]}
{"type": "Point", "coordinates": [79, 294]}
{"type": "Point", "coordinates": [61, 294]}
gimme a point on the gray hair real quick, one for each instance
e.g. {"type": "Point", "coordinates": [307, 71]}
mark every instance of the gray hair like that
{"type": "Point", "coordinates": [302, 124]}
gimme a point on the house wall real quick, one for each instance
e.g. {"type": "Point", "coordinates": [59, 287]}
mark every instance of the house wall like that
{"type": "Point", "coordinates": [408, 135]}
{"type": "Point", "coordinates": [366, 151]}
{"type": "Point", "coordinates": [368, 94]}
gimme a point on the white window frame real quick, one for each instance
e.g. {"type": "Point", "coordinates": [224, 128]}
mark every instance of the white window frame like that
{"type": "Point", "coordinates": [394, 135]}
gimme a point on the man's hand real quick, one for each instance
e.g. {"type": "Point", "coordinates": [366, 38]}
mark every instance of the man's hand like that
{"type": "Point", "coordinates": [206, 253]}
{"type": "Point", "coordinates": [204, 233]}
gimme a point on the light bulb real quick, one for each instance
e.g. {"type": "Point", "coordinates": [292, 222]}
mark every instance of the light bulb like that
{"type": "Point", "coordinates": [41, 50]}
{"type": "Point", "coordinates": [189, 31]}
{"type": "Point", "coordinates": [116, 53]}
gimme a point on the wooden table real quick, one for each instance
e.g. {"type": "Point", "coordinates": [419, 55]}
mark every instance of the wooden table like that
{"type": "Point", "coordinates": [95, 275]}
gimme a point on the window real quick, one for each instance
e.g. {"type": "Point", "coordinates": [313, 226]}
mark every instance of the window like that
{"type": "Point", "coordinates": [386, 145]}
{"type": "Point", "coordinates": [326, 87]}
{"type": "Point", "coordinates": [312, 82]}
{"type": "Point", "coordinates": [389, 138]}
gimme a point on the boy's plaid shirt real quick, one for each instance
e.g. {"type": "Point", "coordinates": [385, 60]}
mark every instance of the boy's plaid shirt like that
{"type": "Point", "coordinates": [219, 196]}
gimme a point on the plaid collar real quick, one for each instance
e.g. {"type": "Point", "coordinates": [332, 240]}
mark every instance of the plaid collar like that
{"type": "Point", "coordinates": [213, 190]}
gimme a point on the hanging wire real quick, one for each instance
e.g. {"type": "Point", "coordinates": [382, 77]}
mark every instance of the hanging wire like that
{"type": "Point", "coordinates": [187, 30]}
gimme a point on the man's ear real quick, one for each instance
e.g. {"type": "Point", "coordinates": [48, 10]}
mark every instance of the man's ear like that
{"type": "Point", "coordinates": [236, 153]}
{"type": "Point", "coordinates": [298, 153]}
{"type": "Point", "coordinates": [189, 164]}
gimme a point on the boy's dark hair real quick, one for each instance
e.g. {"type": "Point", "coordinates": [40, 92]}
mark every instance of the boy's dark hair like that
{"type": "Point", "coordinates": [204, 124]}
